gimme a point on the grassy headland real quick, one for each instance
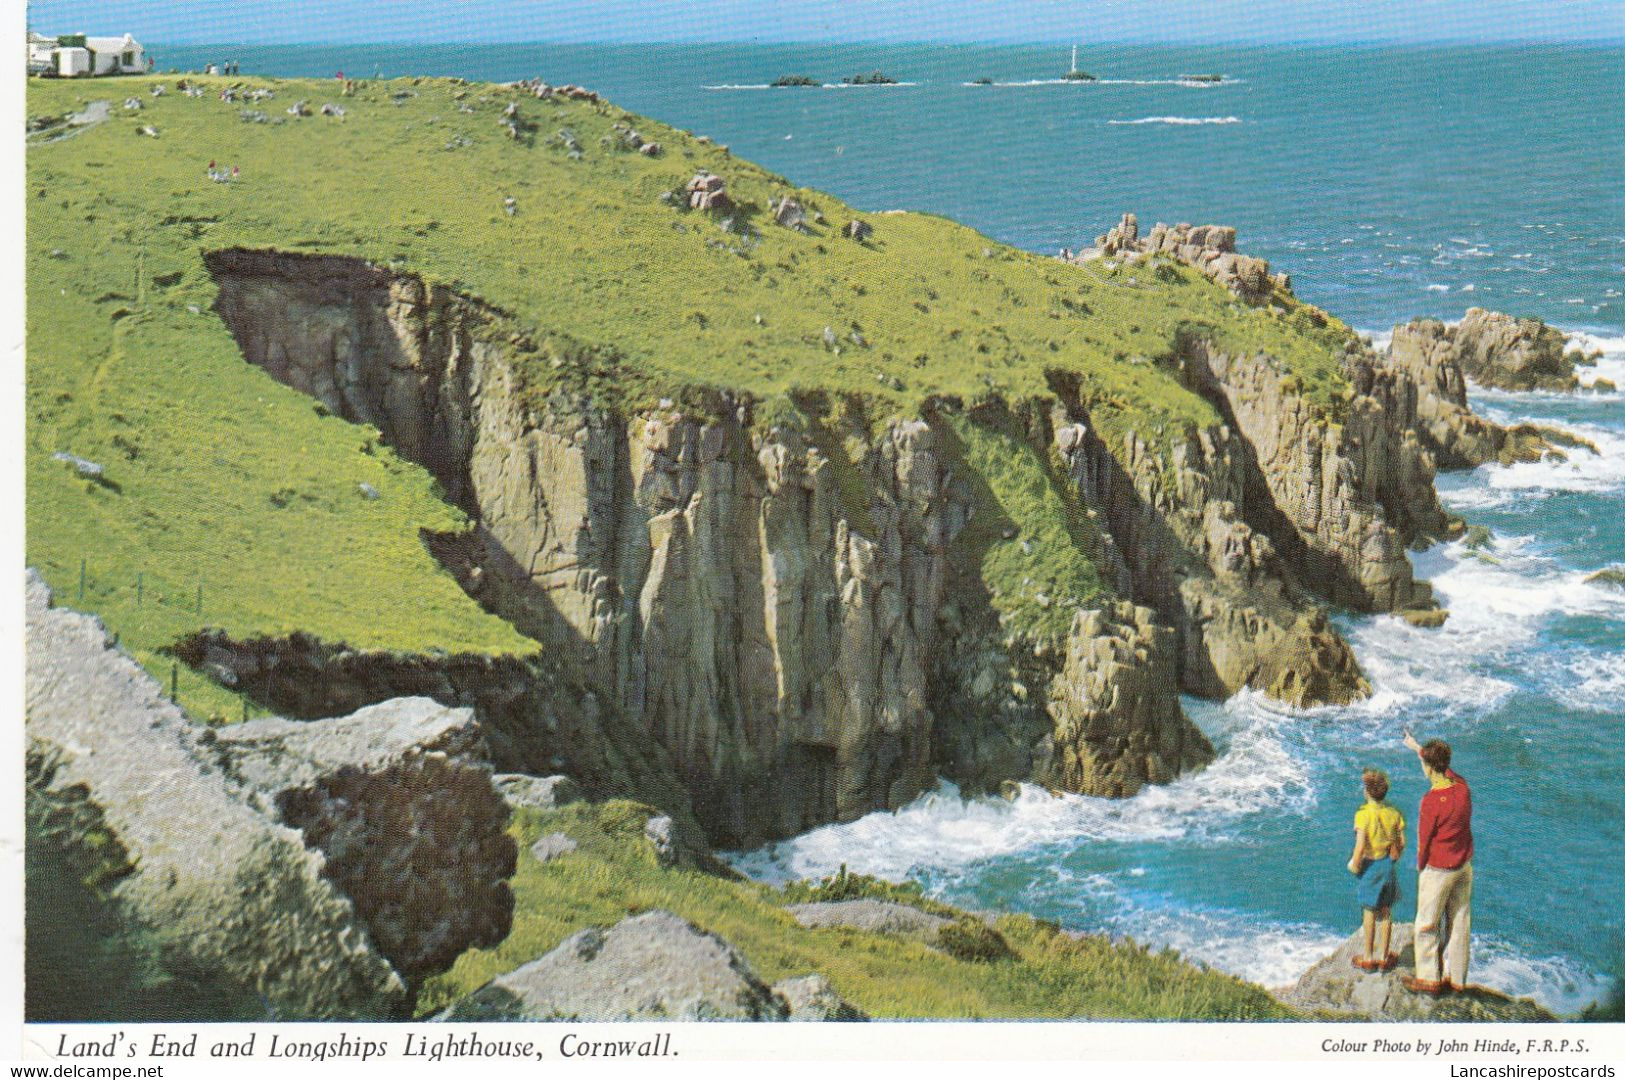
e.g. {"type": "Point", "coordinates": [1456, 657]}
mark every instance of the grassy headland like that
{"type": "Point", "coordinates": [218, 477]}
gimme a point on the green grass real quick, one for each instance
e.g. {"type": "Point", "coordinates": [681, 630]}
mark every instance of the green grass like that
{"type": "Point", "coordinates": [1036, 549]}
{"type": "Point", "coordinates": [217, 476]}
{"type": "Point", "coordinates": [614, 874]}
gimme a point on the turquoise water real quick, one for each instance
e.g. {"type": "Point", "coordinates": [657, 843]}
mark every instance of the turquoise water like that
{"type": "Point", "coordinates": [1389, 184]}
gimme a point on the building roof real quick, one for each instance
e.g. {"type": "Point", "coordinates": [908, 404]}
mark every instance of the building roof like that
{"type": "Point", "coordinates": [112, 44]}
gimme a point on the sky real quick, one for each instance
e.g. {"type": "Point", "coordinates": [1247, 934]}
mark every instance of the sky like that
{"type": "Point", "coordinates": [970, 21]}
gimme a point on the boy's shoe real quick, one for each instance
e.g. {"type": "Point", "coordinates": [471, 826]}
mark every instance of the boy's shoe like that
{"type": "Point", "coordinates": [1424, 986]}
{"type": "Point", "coordinates": [1390, 962]}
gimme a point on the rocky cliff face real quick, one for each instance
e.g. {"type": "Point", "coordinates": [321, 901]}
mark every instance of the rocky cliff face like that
{"type": "Point", "coordinates": [1182, 525]}
{"type": "Point", "coordinates": [1422, 383]}
{"type": "Point", "coordinates": [766, 609]}
{"type": "Point", "coordinates": [1115, 704]}
{"type": "Point", "coordinates": [1346, 496]}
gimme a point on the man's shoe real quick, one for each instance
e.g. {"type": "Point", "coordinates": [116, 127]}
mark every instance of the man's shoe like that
{"type": "Point", "coordinates": [1390, 962]}
{"type": "Point", "coordinates": [1365, 965]}
{"type": "Point", "coordinates": [1424, 986]}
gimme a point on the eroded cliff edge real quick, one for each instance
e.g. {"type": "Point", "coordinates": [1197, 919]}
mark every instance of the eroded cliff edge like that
{"type": "Point", "coordinates": [790, 600]}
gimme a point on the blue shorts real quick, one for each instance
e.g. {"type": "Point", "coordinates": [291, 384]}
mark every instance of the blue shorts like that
{"type": "Point", "coordinates": [1377, 885]}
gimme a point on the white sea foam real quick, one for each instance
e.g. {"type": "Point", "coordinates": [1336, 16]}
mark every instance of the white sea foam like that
{"type": "Point", "coordinates": [1499, 598]}
{"type": "Point", "coordinates": [1562, 985]}
{"type": "Point", "coordinates": [1180, 121]}
{"type": "Point", "coordinates": [1596, 683]}
{"type": "Point", "coordinates": [1611, 365]}
{"type": "Point", "coordinates": [1499, 486]}
{"type": "Point", "coordinates": [942, 830]}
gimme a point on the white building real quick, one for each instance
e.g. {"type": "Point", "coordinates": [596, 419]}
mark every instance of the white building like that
{"type": "Point", "coordinates": [71, 55]}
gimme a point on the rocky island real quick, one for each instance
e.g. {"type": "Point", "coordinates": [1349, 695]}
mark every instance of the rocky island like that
{"type": "Point", "coordinates": [746, 515]}
{"type": "Point", "coordinates": [873, 78]}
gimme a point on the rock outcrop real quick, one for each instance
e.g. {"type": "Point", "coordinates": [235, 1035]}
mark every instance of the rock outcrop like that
{"type": "Point", "coordinates": [654, 966]}
{"type": "Point", "coordinates": [274, 861]}
{"type": "Point", "coordinates": [707, 191]}
{"type": "Point", "coordinates": [410, 831]}
{"type": "Point", "coordinates": [1422, 382]}
{"type": "Point", "coordinates": [1209, 248]}
{"type": "Point", "coordinates": [1336, 985]}
{"type": "Point", "coordinates": [1118, 724]}
{"type": "Point", "coordinates": [1183, 528]}
{"type": "Point", "coordinates": [1508, 353]}
{"type": "Point", "coordinates": [1347, 494]}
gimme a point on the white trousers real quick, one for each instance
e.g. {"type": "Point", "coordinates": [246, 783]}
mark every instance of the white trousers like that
{"type": "Point", "coordinates": [1444, 900]}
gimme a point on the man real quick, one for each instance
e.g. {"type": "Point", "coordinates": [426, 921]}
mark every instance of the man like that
{"type": "Point", "coordinates": [1444, 886]}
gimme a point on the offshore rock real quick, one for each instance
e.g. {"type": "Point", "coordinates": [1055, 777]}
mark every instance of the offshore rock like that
{"type": "Point", "coordinates": [1507, 353]}
{"type": "Point", "coordinates": [1118, 724]}
{"type": "Point", "coordinates": [227, 891]}
{"type": "Point", "coordinates": [1336, 985]}
{"type": "Point", "coordinates": [654, 966]}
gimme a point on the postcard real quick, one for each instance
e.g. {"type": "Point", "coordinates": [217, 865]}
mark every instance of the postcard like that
{"type": "Point", "coordinates": [544, 526]}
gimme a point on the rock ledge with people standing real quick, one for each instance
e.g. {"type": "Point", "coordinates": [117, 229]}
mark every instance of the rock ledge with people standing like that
{"type": "Point", "coordinates": [1336, 985]}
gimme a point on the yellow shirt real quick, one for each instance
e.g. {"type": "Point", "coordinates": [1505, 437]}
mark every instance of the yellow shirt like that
{"type": "Point", "coordinates": [1382, 825]}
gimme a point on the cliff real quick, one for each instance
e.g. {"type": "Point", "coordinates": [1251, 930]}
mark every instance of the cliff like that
{"type": "Point", "coordinates": [770, 590]}
{"type": "Point", "coordinates": [766, 524]}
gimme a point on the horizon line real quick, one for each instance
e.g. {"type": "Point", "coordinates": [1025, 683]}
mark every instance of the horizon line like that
{"type": "Point", "coordinates": [946, 42]}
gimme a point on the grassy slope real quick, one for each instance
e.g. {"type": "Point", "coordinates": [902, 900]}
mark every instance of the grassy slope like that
{"type": "Point", "coordinates": [614, 873]}
{"type": "Point", "coordinates": [228, 480]}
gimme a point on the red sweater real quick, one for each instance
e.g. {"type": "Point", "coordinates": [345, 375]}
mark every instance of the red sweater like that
{"type": "Point", "coordinates": [1444, 831]}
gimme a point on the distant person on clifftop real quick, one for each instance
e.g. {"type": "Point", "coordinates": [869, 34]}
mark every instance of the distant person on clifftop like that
{"type": "Point", "coordinates": [1379, 839]}
{"type": "Point", "coordinates": [1444, 884]}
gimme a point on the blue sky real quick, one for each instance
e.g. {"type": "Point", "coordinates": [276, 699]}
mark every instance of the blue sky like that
{"type": "Point", "coordinates": [977, 21]}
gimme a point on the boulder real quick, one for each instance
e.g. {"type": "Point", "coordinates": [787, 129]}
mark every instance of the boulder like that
{"type": "Point", "coordinates": [788, 212]}
{"type": "Point", "coordinates": [859, 230]}
{"type": "Point", "coordinates": [874, 916]}
{"type": "Point", "coordinates": [812, 998]}
{"type": "Point", "coordinates": [1336, 985]}
{"type": "Point", "coordinates": [707, 191]}
{"type": "Point", "coordinates": [654, 966]}
{"type": "Point", "coordinates": [552, 846]}
{"type": "Point", "coordinates": [537, 792]}
{"type": "Point", "coordinates": [221, 886]}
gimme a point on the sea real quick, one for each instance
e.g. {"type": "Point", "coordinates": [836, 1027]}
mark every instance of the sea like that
{"type": "Point", "coordinates": [1389, 183]}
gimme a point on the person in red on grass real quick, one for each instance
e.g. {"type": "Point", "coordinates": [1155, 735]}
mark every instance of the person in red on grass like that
{"type": "Point", "coordinates": [1444, 885]}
